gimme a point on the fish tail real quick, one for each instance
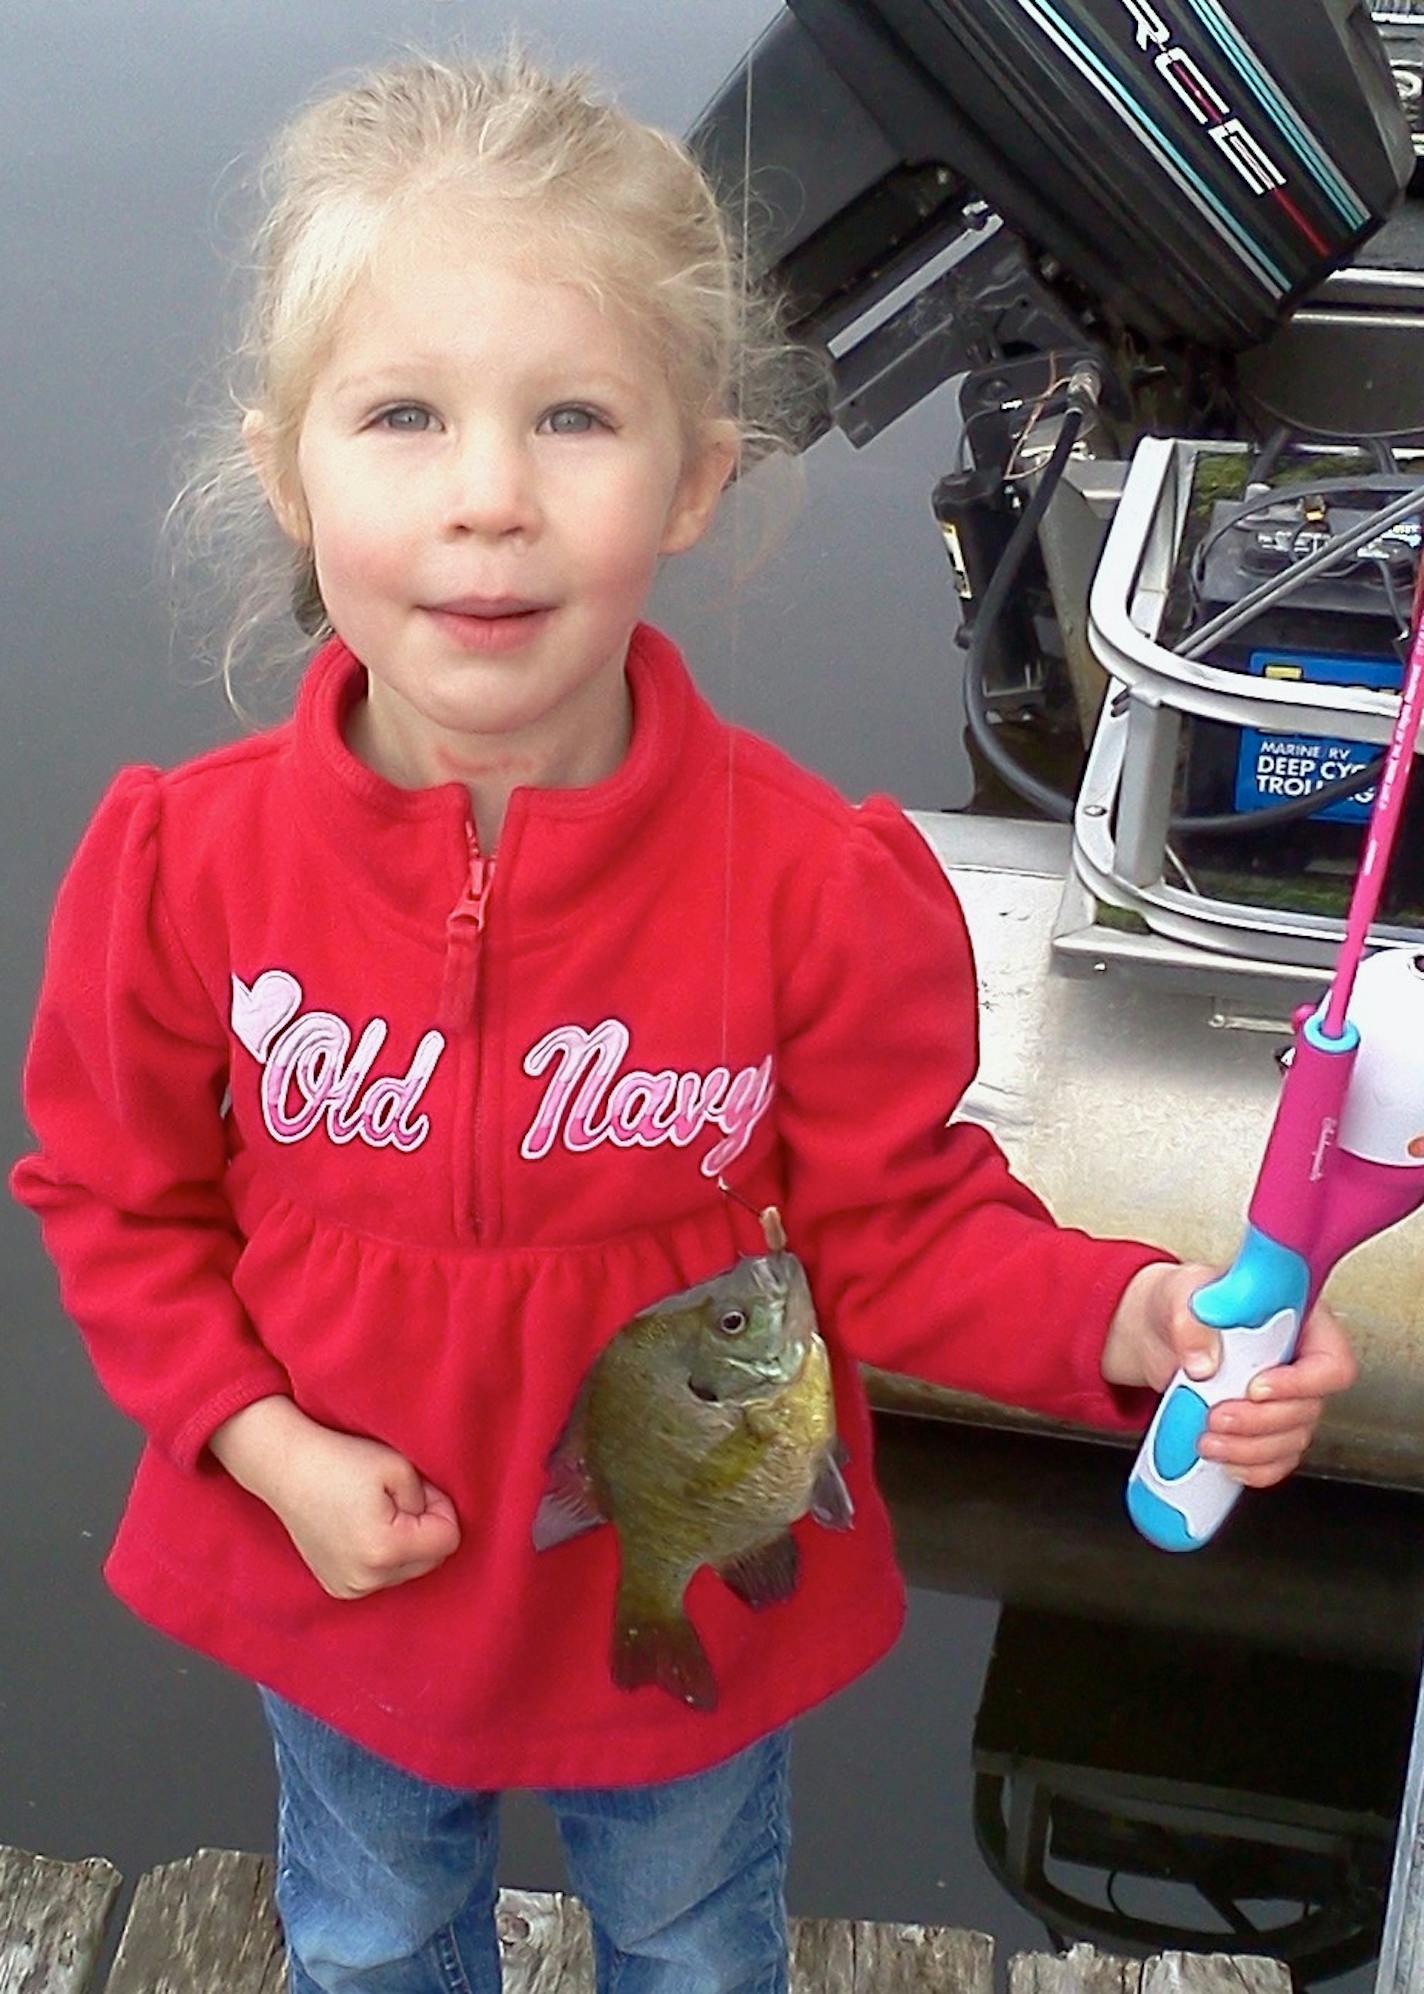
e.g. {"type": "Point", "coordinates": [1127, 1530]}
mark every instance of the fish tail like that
{"type": "Point", "coordinates": [663, 1649]}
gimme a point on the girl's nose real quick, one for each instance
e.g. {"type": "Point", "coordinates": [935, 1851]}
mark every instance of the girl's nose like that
{"type": "Point", "coordinates": [491, 489]}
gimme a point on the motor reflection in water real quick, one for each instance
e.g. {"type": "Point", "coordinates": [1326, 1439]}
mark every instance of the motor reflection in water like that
{"type": "Point", "coordinates": [1207, 1795]}
{"type": "Point", "coordinates": [1202, 1753]}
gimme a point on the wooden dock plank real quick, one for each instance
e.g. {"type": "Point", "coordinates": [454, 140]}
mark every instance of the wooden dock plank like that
{"type": "Point", "coordinates": [1214, 1973]}
{"type": "Point", "coordinates": [545, 1943]}
{"type": "Point", "coordinates": [1081, 1970]}
{"type": "Point", "coordinates": [841, 1956]}
{"type": "Point", "coordinates": [822, 1956]}
{"type": "Point", "coordinates": [52, 1919]}
{"type": "Point", "coordinates": [915, 1959]}
{"type": "Point", "coordinates": [204, 1923]}
{"type": "Point", "coordinates": [208, 1926]}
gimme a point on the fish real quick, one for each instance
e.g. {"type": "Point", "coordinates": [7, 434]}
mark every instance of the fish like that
{"type": "Point", "coordinates": [703, 1430]}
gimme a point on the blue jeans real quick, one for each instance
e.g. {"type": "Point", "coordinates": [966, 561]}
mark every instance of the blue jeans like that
{"type": "Point", "coordinates": [386, 1883]}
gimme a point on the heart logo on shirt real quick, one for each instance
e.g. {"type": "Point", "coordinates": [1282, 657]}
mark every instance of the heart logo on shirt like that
{"type": "Point", "coordinates": [261, 1009]}
{"type": "Point", "coordinates": [313, 1074]}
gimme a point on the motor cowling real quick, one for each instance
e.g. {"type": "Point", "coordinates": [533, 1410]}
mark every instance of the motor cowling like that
{"type": "Point", "coordinates": [1194, 166]}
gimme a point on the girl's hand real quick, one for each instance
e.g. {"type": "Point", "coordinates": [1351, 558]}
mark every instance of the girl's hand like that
{"type": "Point", "coordinates": [1259, 1439]}
{"type": "Point", "coordinates": [360, 1515]}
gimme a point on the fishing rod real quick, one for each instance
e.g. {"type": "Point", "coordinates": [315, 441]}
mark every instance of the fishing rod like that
{"type": "Point", "coordinates": [1344, 1161]}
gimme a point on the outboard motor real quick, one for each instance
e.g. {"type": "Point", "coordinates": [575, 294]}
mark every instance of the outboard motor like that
{"type": "Point", "coordinates": [1176, 170]}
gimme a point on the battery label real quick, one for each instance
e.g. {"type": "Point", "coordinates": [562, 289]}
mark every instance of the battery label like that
{"type": "Point", "coordinates": [1274, 768]}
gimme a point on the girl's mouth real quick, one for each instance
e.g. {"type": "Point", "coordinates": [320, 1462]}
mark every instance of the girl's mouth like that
{"type": "Point", "coordinates": [491, 627]}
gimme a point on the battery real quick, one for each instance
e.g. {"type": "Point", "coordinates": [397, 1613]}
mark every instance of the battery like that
{"type": "Point", "coordinates": [1274, 768]}
{"type": "Point", "coordinates": [1344, 628]}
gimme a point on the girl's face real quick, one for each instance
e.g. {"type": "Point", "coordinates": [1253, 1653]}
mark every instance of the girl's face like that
{"type": "Point", "coordinates": [489, 469]}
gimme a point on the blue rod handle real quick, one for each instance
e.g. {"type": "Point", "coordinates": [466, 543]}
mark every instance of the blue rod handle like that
{"type": "Point", "coordinates": [1177, 1499]}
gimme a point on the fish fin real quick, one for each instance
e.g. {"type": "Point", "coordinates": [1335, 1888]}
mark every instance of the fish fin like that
{"type": "Point", "coordinates": [766, 1575]}
{"type": "Point", "coordinates": [565, 1510]}
{"type": "Point", "coordinates": [667, 1653]}
{"type": "Point", "coordinates": [569, 1504]}
{"type": "Point", "coordinates": [831, 1503]}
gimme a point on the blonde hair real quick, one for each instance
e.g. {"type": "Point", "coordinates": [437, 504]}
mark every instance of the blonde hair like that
{"type": "Point", "coordinates": [648, 238]}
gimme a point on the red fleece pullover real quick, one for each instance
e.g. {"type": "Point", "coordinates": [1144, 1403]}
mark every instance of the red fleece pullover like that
{"type": "Point", "coordinates": [324, 1107]}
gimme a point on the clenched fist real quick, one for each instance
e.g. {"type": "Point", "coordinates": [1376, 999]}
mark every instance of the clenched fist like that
{"type": "Point", "coordinates": [360, 1514]}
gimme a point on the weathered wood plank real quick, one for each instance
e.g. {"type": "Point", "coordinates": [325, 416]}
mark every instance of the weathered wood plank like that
{"type": "Point", "coordinates": [52, 1919]}
{"type": "Point", "coordinates": [547, 1948]}
{"type": "Point", "coordinates": [207, 1926]}
{"type": "Point", "coordinates": [203, 1924]}
{"type": "Point", "coordinates": [545, 1942]}
{"type": "Point", "coordinates": [822, 1956]}
{"type": "Point", "coordinates": [915, 1959]}
{"type": "Point", "coordinates": [1081, 1970]}
{"type": "Point", "coordinates": [1214, 1973]}
{"type": "Point", "coordinates": [841, 1956]}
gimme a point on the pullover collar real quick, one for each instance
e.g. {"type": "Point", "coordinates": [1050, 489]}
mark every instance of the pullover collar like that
{"type": "Point", "coordinates": [410, 847]}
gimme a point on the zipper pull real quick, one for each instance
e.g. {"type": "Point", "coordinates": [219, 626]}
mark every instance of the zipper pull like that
{"type": "Point", "coordinates": [464, 925]}
{"type": "Point", "coordinates": [467, 916]}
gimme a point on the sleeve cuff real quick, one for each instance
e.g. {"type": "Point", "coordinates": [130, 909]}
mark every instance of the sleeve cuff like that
{"type": "Point", "coordinates": [1121, 1408]}
{"type": "Point", "coordinates": [185, 1445]}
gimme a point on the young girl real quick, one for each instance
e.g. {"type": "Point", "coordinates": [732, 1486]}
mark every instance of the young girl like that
{"type": "Point", "coordinates": [389, 1061]}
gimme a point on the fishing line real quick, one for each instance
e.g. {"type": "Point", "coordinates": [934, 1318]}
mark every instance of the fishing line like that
{"type": "Point", "coordinates": [738, 515]}
{"type": "Point", "coordinates": [1384, 823]}
{"type": "Point", "coordinates": [737, 1199]}
{"type": "Point", "coordinates": [767, 1217]}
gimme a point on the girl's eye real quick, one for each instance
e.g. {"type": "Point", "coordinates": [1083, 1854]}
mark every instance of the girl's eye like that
{"type": "Point", "coordinates": [571, 421]}
{"type": "Point", "coordinates": [407, 417]}
{"type": "Point", "coordinates": [732, 1323]}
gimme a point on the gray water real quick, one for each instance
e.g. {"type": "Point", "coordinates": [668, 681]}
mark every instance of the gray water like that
{"type": "Point", "coordinates": [125, 127]}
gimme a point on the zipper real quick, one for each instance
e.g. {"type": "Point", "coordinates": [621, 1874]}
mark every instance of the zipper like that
{"type": "Point", "coordinates": [459, 1001]}
{"type": "Point", "coordinates": [464, 930]}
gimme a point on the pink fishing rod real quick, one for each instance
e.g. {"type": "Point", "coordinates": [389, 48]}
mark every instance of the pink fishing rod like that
{"type": "Point", "coordinates": [1345, 1160]}
{"type": "Point", "coordinates": [1383, 828]}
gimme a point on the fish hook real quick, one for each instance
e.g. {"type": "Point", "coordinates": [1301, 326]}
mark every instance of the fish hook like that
{"type": "Point", "coordinates": [769, 1218]}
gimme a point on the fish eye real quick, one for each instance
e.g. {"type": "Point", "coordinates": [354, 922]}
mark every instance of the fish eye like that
{"type": "Point", "coordinates": [732, 1323]}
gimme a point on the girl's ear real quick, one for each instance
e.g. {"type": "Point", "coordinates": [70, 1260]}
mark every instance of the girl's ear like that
{"type": "Point", "coordinates": [701, 486]}
{"type": "Point", "coordinates": [283, 496]}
